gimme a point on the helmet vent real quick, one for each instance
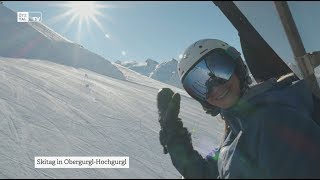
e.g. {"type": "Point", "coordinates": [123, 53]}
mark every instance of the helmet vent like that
{"type": "Point", "coordinates": [203, 51]}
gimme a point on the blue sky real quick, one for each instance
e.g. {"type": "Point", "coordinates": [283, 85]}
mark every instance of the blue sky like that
{"type": "Point", "coordinates": [137, 30]}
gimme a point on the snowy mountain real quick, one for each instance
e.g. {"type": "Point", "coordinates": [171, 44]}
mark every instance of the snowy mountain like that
{"type": "Point", "coordinates": [165, 72]}
{"type": "Point", "coordinates": [144, 68]}
{"type": "Point", "coordinates": [48, 109]}
{"type": "Point", "coordinates": [37, 41]}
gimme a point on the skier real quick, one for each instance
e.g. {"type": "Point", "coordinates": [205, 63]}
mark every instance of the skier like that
{"type": "Point", "coordinates": [269, 127]}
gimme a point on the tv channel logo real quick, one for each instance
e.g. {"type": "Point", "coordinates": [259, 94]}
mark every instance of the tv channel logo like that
{"type": "Point", "coordinates": [29, 16]}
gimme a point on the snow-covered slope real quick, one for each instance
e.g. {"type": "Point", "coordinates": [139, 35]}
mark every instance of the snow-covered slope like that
{"type": "Point", "coordinates": [133, 76]}
{"type": "Point", "coordinates": [48, 32]}
{"type": "Point", "coordinates": [165, 72]}
{"type": "Point", "coordinates": [47, 109]}
{"type": "Point", "coordinates": [36, 41]}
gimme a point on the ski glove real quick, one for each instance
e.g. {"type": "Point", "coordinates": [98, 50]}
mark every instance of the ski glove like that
{"type": "Point", "coordinates": [172, 130]}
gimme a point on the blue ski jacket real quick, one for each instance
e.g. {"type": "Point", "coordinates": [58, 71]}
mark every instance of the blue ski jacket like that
{"type": "Point", "coordinates": [272, 135]}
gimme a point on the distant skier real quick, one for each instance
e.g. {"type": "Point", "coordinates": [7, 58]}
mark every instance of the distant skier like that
{"type": "Point", "coordinates": [269, 128]}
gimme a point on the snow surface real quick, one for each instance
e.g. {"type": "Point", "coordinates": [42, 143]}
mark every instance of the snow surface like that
{"type": "Point", "coordinates": [136, 77]}
{"type": "Point", "coordinates": [48, 109]}
{"type": "Point", "coordinates": [165, 72]}
{"type": "Point", "coordinates": [49, 33]}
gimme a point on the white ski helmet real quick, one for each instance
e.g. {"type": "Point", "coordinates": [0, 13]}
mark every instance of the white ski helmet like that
{"type": "Point", "coordinates": [197, 50]}
{"type": "Point", "coordinates": [195, 53]}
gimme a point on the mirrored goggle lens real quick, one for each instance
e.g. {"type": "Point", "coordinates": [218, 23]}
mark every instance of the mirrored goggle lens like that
{"type": "Point", "coordinates": [195, 81]}
{"type": "Point", "coordinates": [221, 65]}
{"type": "Point", "coordinates": [208, 73]}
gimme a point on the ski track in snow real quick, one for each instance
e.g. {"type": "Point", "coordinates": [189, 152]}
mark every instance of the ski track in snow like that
{"type": "Point", "coordinates": [48, 109]}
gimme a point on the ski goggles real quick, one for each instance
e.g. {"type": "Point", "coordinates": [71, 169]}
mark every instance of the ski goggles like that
{"type": "Point", "coordinates": [212, 70]}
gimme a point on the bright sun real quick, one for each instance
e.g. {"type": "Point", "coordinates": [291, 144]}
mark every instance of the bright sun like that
{"type": "Point", "coordinates": [84, 9]}
{"type": "Point", "coordinates": [80, 12]}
